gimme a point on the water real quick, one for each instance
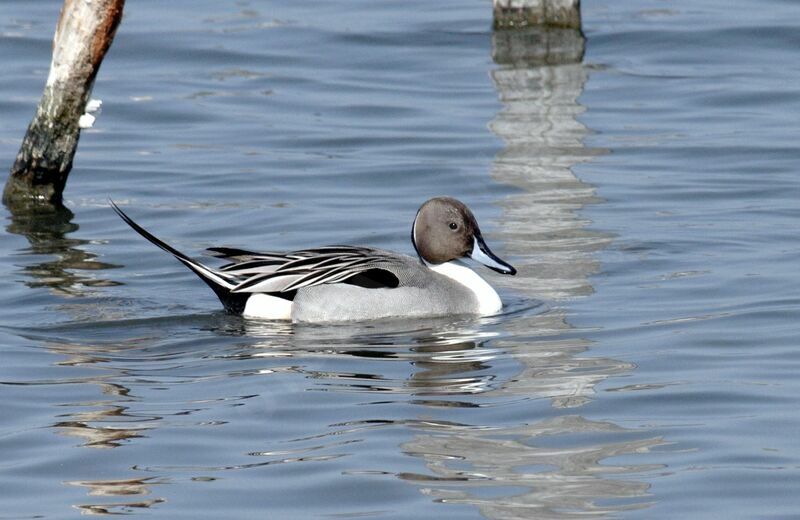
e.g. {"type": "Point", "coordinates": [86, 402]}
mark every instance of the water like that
{"type": "Point", "coordinates": [645, 366]}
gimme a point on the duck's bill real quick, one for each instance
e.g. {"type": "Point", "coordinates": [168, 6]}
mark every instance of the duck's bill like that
{"type": "Point", "coordinates": [481, 253]}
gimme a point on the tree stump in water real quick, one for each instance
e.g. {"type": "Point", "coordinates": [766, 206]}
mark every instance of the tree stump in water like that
{"type": "Point", "coordinates": [84, 33]}
{"type": "Point", "coordinates": [565, 14]}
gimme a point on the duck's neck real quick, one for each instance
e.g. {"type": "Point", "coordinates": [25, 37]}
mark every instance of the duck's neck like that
{"type": "Point", "coordinates": [488, 300]}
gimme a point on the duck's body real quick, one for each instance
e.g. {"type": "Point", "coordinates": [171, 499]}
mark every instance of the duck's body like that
{"type": "Point", "coordinates": [347, 283]}
{"type": "Point", "coordinates": [421, 291]}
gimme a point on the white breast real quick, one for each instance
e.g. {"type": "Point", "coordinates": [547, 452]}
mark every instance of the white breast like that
{"type": "Point", "coordinates": [488, 300]}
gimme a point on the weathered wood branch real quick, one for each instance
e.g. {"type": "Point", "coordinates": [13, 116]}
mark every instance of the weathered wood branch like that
{"type": "Point", "coordinates": [565, 14]}
{"type": "Point", "coordinates": [83, 35]}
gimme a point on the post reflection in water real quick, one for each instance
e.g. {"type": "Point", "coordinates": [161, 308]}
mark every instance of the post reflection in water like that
{"type": "Point", "coordinates": [138, 487]}
{"type": "Point", "coordinates": [104, 423]}
{"type": "Point", "coordinates": [539, 77]}
{"type": "Point", "coordinates": [530, 480]}
{"type": "Point", "coordinates": [66, 272]}
{"type": "Point", "coordinates": [551, 468]}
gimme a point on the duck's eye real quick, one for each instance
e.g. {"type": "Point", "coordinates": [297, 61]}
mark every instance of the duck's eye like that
{"type": "Point", "coordinates": [453, 226]}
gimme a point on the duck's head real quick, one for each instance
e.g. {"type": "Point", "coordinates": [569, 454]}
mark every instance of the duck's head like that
{"type": "Point", "coordinates": [445, 229]}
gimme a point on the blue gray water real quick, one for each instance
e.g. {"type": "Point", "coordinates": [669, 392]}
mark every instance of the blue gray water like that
{"type": "Point", "coordinates": [646, 366]}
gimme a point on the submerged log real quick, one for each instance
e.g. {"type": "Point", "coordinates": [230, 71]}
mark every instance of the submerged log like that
{"type": "Point", "coordinates": [565, 14]}
{"type": "Point", "coordinates": [84, 33]}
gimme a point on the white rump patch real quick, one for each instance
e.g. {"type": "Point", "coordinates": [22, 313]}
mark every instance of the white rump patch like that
{"type": "Point", "coordinates": [267, 307]}
{"type": "Point", "coordinates": [488, 300]}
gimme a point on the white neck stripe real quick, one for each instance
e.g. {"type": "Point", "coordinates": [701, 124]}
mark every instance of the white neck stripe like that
{"type": "Point", "coordinates": [488, 300]}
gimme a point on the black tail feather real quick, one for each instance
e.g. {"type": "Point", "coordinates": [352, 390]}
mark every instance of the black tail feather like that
{"type": "Point", "coordinates": [233, 302]}
{"type": "Point", "coordinates": [146, 234]}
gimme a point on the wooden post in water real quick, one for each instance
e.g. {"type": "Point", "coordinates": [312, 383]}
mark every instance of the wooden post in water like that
{"type": "Point", "coordinates": [565, 14]}
{"type": "Point", "coordinates": [84, 33]}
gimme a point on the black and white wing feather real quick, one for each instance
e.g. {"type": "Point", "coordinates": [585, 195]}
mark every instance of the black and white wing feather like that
{"type": "Point", "coordinates": [271, 272]}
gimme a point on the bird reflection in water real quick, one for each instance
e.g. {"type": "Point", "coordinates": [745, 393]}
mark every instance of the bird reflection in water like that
{"type": "Point", "coordinates": [446, 358]}
{"type": "Point", "coordinates": [550, 468]}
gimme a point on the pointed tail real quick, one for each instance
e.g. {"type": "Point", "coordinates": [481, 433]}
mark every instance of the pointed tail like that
{"type": "Point", "coordinates": [219, 282]}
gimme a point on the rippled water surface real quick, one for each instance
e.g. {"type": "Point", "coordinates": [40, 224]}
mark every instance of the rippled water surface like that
{"type": "Point", "coordinates": [645, 186]}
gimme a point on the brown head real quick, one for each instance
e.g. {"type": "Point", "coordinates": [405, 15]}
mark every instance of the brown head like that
{"type": "Point", "coordinates": [445, 229]}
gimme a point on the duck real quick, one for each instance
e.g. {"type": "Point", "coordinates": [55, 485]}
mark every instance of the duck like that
{"type": "Point", "coordinates": [342, 283]}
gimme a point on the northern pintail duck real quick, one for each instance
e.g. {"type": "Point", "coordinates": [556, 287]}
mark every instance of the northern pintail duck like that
{"type": "Point", "coordinates": [346, 283]}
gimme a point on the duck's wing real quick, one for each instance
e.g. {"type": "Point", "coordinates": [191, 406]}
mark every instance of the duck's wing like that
{"type": "Point", "coordinates": [270, 272]}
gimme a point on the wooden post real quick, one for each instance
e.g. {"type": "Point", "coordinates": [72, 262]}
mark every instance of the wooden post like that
{"type": "Point", "coordinates": [84, 33]}
{"type": "Point", "coordinates": [532, 46]}
{"type": "Point", "coordinates": [549, 13]}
